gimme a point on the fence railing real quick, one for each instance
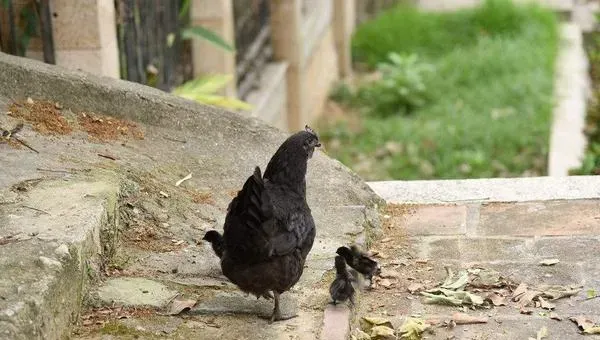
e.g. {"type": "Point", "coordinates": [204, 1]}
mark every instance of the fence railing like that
{"type": "Point", "coordinates": [252, 41]}
{"type": "Point", "coordinates": [150, 45]}
{"type": "Point", "coordinates": [18, 25]}
{"type": "Point", "coordinates": [368, 9]}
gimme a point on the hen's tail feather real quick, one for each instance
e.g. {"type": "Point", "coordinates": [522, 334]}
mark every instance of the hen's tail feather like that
{"type": "Point", "coordinates": [248, 212]}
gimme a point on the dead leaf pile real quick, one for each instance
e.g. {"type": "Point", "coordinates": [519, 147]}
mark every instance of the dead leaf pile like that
{"type": "Point", "coordinates": [452, 291]}
{"type": "Point", "coordinates": [585, 325]}
{"type": "Point", "coordinates": [541, 297]}
{"type": "Point", "coordinates": [375, 328]}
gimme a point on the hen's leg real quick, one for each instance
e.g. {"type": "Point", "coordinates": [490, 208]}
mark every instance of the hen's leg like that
{"type": "Point", "coordinates": [276, 316]}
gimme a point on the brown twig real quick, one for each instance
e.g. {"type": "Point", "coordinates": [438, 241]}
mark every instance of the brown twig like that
{"type": "Point", "coordinates": [108, 156]}
{"type": "Point", "coordinates": [25, 144]}
{"type": "Point", "coordinates": [52, 170]}
{"type": "Point", "coordinates": [175, 139]}
{"type": "Point", "coordinates": [36, 209]}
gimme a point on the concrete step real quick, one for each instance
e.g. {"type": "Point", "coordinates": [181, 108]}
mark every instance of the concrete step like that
{"type": "Point", "coordinates": [50, 235]}
{"type": "Point", "coordinates": [489, 190]}
{"type": "Point", "coordinates": [561, 6]}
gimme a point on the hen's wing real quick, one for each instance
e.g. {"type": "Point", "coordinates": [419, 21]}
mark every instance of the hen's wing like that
{"type": "Point", "coordinates": [256, 229]}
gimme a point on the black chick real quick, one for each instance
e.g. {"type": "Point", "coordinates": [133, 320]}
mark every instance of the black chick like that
{"type": "Point", "coordinates": [359, 261]}
{"type": "Point", "coordinates": [341, 288]}
{"type": "Point", "coordinates": [269, 229]}
{"type": "Point", "coordinates": [216, 241]}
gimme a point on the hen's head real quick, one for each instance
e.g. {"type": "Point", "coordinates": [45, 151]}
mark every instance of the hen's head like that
{"type": "Point", "coordinates": [307, 139]}
{"type": "Point", "coordinates": [288, 164]}
{"type": "Point", "coordinates": [212, 236]}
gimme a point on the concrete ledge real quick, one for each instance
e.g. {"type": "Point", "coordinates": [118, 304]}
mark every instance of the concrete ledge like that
{"type": "Point", "coordinates": [47, 253]}
{"type": "Point", "coordinates": [571, 89]}
{"type": "Point", "coordinates": [489, 190]}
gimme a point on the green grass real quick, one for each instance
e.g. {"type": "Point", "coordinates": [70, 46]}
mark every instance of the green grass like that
{"type": "Point", "coordinates": [492, 95]}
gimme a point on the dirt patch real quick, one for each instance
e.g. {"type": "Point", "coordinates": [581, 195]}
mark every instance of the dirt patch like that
{"type": "Point", "coordinates": [45, 117]}
{"type": "Point", "coordinates": [11, 142]}
{"type": "Point", "coordinates": [149, 238]}
{"type": "Point", "coordinates": [201, 197]}
{"type": "Point", "coordinates": [105, 128]}
{"type": "Point", "coordinates": [96, 318]}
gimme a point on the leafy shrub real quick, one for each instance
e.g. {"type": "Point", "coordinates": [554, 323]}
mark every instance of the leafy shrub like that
{"type": "Point", "coordinates": [401, 89]}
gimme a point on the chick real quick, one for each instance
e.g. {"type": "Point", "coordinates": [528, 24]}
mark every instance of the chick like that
{"type": "Point", "coordinates": [341, 288]}
{"type": "Point", "coordinates": [359, 261]}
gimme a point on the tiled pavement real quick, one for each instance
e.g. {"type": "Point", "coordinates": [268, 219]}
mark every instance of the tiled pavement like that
{"type": "Point", "coordinates": [511, 238]}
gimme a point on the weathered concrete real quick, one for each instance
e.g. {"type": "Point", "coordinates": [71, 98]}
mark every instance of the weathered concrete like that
{"type": "Point", "coordinates": [51, 230]}
{"type": "Point", "coordinates": [489, 190]}
{"type": "Point", "coordinates": [135, 291]}
{"type": "Point", "coordinates": [572, 90]}
{"type": "Point", "coordinates": [161, 223]}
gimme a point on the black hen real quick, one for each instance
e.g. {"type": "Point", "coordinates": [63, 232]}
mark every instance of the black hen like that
{"type": "Point", "coordinates": [341, 288]}
{"type": "Point", "coordinates": [359, 261]}
{"type": "Point", "coordinates": [269, 229]}
{"type": "Point", "coordinates": [216, 241]}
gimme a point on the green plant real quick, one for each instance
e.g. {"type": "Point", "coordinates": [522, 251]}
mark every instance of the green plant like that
{"type": "Point", "coordinates": [591, 161]}
{"type": "Point", "coordinates": [491, 97]}
{"type": "Point", "coordinates": [28, 25]}
{"type": "Point", "coordinates": [203, 90]}
{"type": "Point", "coordinates": [401, 89]}
{"type": "Point", "coordinates": [200, 32]}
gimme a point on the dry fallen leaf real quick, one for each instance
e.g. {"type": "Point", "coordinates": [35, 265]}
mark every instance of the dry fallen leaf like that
{"type": "Point", "coordinates": [549, 262]}
{"type": "Point", "coordinates": [521, 289]}
{"type": "Point", "coordinates": [541, 334]}
{"type": "Point", "coordinates": [457, 281]}
{"type": "Point", "coordinates": [386, 273]}
{"type": "Point", "coordinates": [557, 292]}
{"type": "Point", "coordinates": [545, 304]}
{"type": "Point", "coordinates": [382, 333]}
{"type": "Point", "coordinates": [412, 329]}
{"type": "Point", "coordinates": [357, 334]}
{"type": "Point", "coordinates": [554, 316]}
{"type": "Point", "coordinates": [415, 287]}
{"type": "Point", "coordinates": [496, 299]}
{"type": "Point", "coordinates": [385, 283]}
{"type": "Point", "coordinates": [586, 325]}
{"type": "Point", "coordinates": [466, 319]}
{"type": "Point", "coordinates": [368, 322]}
{"type": "Point", "coordinates": [179, 306]}
{"type": "Point", "coordinates": [525, 311]}
{"type": "Point", "coordinates": [486, 278]}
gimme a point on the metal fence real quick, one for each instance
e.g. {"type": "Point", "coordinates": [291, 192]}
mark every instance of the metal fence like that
{"type": "Point", "coordinates": [252, 41]}
{"type": "Point", "coordinates": [19, 25]}
{"type": "Point", "coordinates": [151, 51]}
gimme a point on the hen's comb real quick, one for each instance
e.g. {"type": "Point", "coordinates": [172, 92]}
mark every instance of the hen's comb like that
{"type": "Point", "coordinates": [309, 130]}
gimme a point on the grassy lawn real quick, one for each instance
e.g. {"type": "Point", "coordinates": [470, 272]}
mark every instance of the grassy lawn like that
{"type": "Point", "coordinates": [489, 100]}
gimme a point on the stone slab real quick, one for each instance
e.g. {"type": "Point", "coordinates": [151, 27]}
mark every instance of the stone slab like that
{"type": "Point", "coordinates": [554, 218]}
{"type": "Point", "coordinates": [135, 291]}
{"type": "Point", "coordinates": [489, 189]}
{"type": "Point", "coordinates": [436, 220]}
